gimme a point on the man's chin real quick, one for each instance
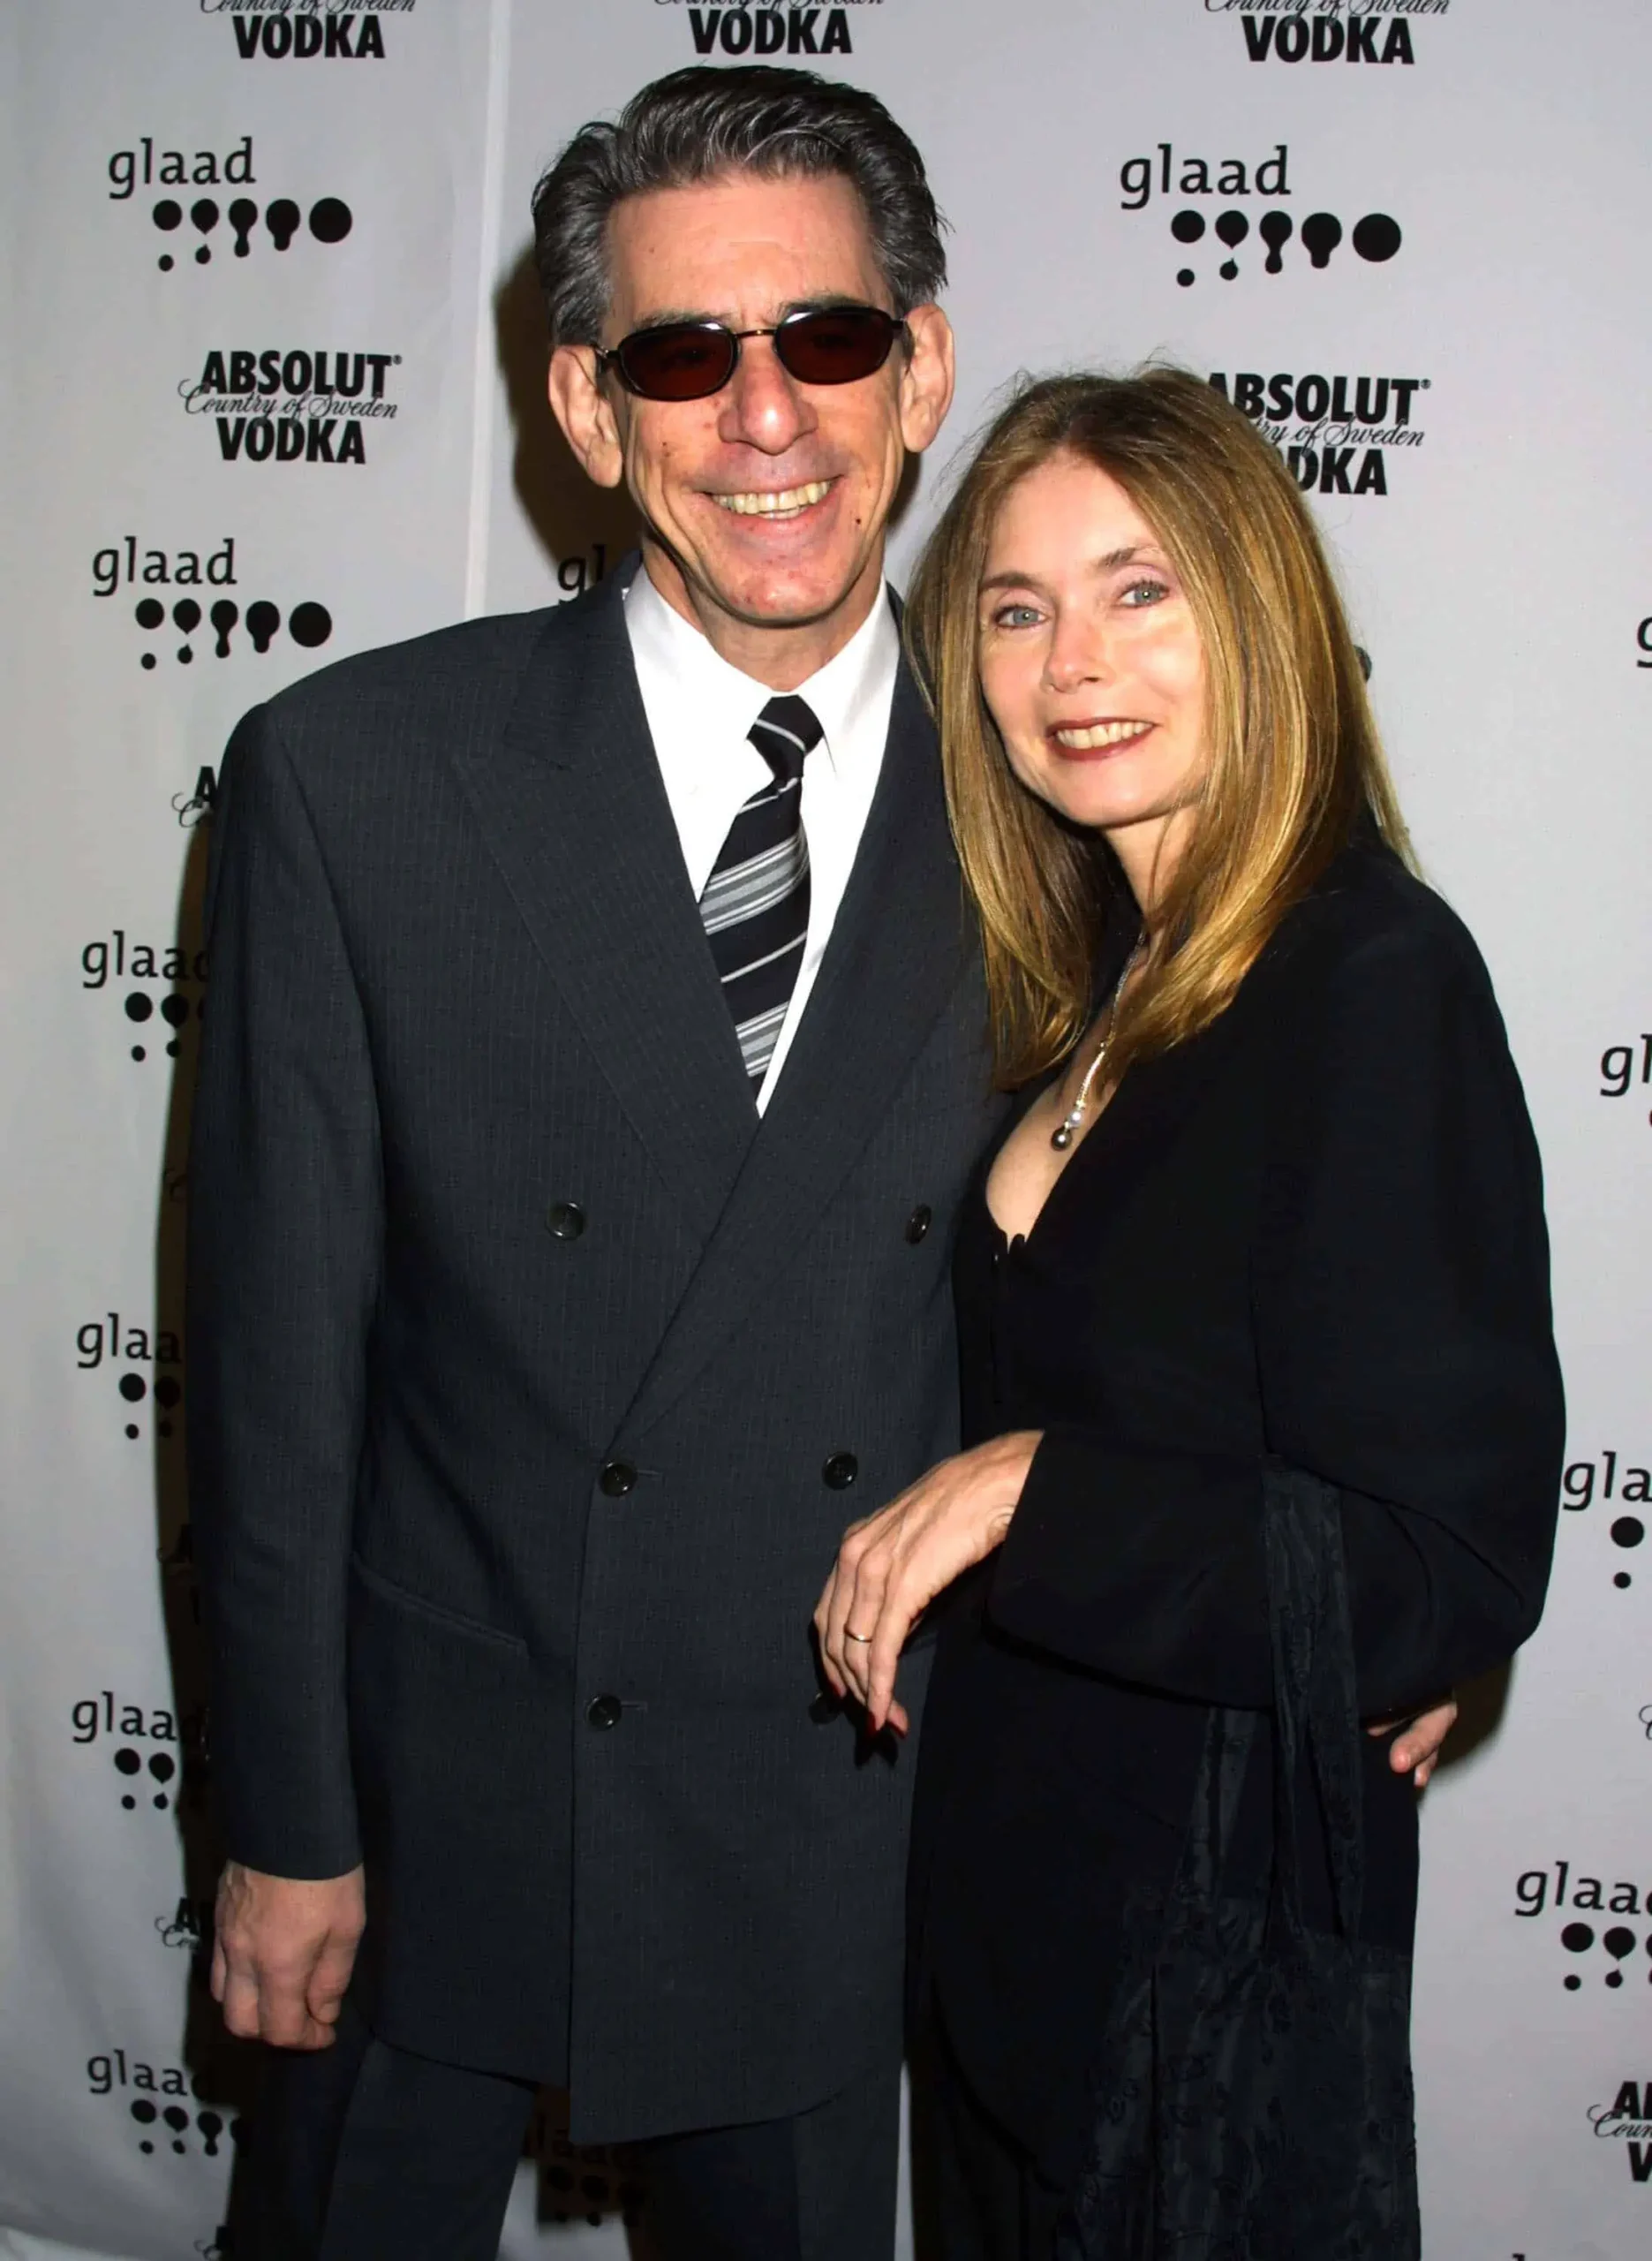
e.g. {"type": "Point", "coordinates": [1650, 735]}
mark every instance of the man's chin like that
{"type": "Point", "coordinates": [789, 606]}
{"type": "Point", "coordinates": [773, 596]}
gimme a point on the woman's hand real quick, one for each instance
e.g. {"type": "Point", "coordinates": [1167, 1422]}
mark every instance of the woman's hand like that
{"type": "Point", "coordinates": [1418, 1746]}
{"type": "Point", "coordinates": [893, 1564]}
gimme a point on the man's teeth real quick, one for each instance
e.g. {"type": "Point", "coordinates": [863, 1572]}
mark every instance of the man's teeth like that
{"type": "Point", "coordinates": [1101, 734]}
{"type": "Point", "coordinates": [784, 504]}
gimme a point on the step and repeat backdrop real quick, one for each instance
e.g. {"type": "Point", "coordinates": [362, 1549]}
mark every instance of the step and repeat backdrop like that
{"type": "Point", "coordinates": [274, 392]}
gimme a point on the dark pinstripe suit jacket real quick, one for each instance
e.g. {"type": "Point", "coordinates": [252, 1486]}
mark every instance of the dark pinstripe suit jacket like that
{"type": "Point", "coordinates": [523, 1361]}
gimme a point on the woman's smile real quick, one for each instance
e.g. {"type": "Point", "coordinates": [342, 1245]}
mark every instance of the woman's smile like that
{"type": "Point", "coordinates": [1082, 741]}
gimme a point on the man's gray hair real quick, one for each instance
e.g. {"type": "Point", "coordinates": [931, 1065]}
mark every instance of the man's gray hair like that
{"type": "Point", "coordinates": [701, 122]}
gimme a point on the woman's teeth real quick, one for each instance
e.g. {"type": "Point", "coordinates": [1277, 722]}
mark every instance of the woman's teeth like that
{"type": "Point", "coordinates": [784, 504]}
{"type": "Point", "coordinates": [1100, 734]}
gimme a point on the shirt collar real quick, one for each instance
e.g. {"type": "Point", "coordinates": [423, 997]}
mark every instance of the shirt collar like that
{"type": "Point", "coordinates": [724, 703]}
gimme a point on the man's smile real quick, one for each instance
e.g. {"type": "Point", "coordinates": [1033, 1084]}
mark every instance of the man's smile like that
{"type": "Point", "coordinates": [775, 502]}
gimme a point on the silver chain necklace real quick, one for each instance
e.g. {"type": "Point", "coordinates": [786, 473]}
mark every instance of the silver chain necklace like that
{"type": "Point", "coordinates": [1061, 1138]}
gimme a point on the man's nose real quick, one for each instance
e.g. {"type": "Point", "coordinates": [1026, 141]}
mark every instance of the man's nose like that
{"type": "Point", "coordinates": [763, 406]}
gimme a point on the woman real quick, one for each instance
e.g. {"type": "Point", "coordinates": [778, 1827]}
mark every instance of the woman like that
{"type": "Point", "coordinates": [1271, 1191]}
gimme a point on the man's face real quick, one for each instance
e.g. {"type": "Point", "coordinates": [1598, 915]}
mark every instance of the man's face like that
{"type": "Point", "coordinates": [766, 503]}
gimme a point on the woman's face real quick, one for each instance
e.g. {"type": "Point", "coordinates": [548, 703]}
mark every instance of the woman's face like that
{"type": "Point", "coordinates": [1091, 664]}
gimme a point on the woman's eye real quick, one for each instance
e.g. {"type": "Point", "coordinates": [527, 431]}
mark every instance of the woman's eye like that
{"type": "Point", "coordinates": [1146, 591]}
{"type": "Point", "coordinates": [1016, 616]}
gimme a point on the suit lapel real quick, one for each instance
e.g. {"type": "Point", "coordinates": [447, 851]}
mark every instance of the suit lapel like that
{"type": "Point", "coordinates": [574, 810]}
{"type": "Point", "coordinates": [899, 946]}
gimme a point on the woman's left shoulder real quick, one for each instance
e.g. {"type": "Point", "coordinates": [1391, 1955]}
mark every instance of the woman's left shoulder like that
{"type": "Point", "coordinates": [1370, 926]}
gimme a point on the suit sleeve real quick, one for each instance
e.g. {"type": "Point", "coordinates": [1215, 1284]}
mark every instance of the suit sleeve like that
{"type": "Point", "coordinates": [1405, 1353]}
{"type": "Point", "coordinates": [284, 1238]}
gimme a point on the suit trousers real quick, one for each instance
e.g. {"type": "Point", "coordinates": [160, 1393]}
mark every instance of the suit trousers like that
{"type": "Point", "coordinates": [366, 2152]}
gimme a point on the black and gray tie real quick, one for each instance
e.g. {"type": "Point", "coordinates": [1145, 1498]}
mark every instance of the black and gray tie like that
{"type": "Point", "coordinates": [756, 904]}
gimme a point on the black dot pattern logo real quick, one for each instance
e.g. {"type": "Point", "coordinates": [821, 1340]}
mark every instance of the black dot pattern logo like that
{"type": "Point", "coordinates": [590, 2183]}
{"type": "Point", "coordinates": [161, 1767]}
{"type": "Point", "coordinates": [176, 1012]}
{"type": "Point", "coordinates": [169, 2128]}
{"type": "Point", "coordinates": [168, 1393]}
{"type": "Point", "coordinates": [1626, 1532]}
{"type": "Point", "coordinates": [1618, 1943]}
{"type": "Point", "coordinates": [309, 625]}
{"type": "Point", "coordinates": [330, 221]}
{"type": "Point", "coordinates": [579, 2192]}
{"type": "Point", "coordinates": [1375, 239]}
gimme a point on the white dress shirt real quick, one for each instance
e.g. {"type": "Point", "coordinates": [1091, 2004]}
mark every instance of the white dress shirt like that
{"type": "Point", "coordinates": [699, 710]}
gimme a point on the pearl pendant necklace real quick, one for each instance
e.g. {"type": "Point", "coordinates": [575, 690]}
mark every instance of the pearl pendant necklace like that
{"type": "Point", "coordinates": [1061, 1138]}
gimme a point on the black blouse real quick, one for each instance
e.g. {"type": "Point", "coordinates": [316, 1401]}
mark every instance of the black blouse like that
{"type": "Point", "coordinates": [1315, 1231]}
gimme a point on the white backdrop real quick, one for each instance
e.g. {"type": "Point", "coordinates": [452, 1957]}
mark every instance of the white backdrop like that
{"type": "Point", "coordinates": [1451, 333]}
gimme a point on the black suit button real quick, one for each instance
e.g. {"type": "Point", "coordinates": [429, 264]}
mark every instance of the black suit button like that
{"type": "Point", "coordinates": [919, 1223]}
{"type": "Point", "coordinates": [824, 1708]}
{"type": "Point", "coordinates": [603, 1711]}
{"type": "Point", "coordinates": [566, 1219]}
{"type": "Point", "coordinates": [617, 1479]}
{"type": "Point", "coordinates": [840, 1472]}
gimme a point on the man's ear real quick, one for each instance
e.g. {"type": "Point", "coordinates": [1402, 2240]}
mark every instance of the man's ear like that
{"type": "Point", "coordinates": [926, 381]}
{"type": "Point", "coordinates": [582, 408]}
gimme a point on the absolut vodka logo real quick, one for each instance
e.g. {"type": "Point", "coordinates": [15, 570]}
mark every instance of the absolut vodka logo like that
{"type": "Point", "coordinates": [1337, 434]}
{"type": "Point", "coordinates": [308, 31]}
{"type": "Point", "coordinates": [770, 30]}
{"type": "Point", "coordinates": [1627, 2122]}
{"type": "Point", "coordinates": [1286, 31]}
{"type": "Point", "coordinates": [292, 404]}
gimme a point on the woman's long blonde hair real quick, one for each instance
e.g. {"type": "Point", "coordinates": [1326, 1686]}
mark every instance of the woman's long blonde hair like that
{"type": "Point", "coordinates": [1294, 757]}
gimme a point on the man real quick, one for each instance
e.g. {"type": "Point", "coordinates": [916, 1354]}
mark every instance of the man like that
{"type": "Point", "coordinates": [595, 1067]}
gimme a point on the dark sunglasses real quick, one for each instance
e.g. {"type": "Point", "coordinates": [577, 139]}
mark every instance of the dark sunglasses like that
{"type": "Point", "coordinates": [690, 360]}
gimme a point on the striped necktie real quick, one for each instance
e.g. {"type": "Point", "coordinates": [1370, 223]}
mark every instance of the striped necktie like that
{"type": "Point", "coordinates": [756, 904]}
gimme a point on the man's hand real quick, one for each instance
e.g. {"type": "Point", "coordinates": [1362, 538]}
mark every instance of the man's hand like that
{"type": "Point", "coordinates": [282, 1954]}
{"type": "Point", "coordinates": [1417, 1744]}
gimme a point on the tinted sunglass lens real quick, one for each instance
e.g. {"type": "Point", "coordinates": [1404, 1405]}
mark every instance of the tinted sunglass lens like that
{"type": "Point", "coordinates": [683, 362]}
{"type": "Point", "coordinates": [836, 346]}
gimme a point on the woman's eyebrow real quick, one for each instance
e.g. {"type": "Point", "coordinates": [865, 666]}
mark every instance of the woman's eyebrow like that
{"type": "Point", "coordinates": [1110, 563]}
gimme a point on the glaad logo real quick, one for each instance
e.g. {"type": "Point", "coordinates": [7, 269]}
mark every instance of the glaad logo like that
{"type": "Point", "coordinates": [145, 166]}
{"type": "Point", "coordinates": [112, 956]}
{"type": "Point", "coordinates": [584, 2184]}
{"type": "Point", "coordinates": [1625, 2121]}
{"type": "Point", "coordinates": [292, 403]}
{"type": "Point", "coordinates": [768, 28]}
{"type": "Point", "coordinates": [1335, 418]}
{"type": "Point", "coordinates": [576, 575]}
{"type": "Point", "coordinates": [161, 2124]}
{"type": "Point", "coordinates": [128, 1344]}
{"type": "Point", "coordinates": [1578, 1487]}
{"type": "Point", "coordinates": [331, 220]}
{"type": "Point", "coordinates": [1538, 1890]}
{"type": "Point", "coordinates": [309, 625]}
{"type": "Point", "coordinates": [1375, 238]}
{"type": "Point", "coordinates": [99, 1719]}
{"type": "Point", "coordinates": [1619, 1073]}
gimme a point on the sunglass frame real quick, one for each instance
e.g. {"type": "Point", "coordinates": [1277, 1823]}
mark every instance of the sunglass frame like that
{"type": "Point", "coordinates": [613, 357]}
